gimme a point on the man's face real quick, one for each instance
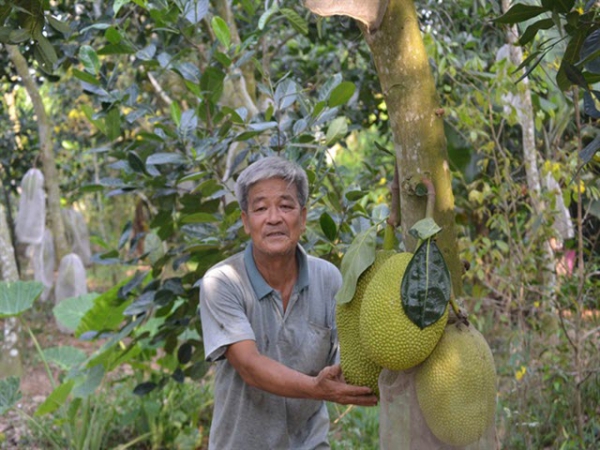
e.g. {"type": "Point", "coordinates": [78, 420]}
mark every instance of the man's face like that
{"type": "Point", "coordinates": [275, 221]}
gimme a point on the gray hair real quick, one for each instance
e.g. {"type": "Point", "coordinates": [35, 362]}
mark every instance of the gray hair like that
{"type": "Point", "coordinates": [267, 168]}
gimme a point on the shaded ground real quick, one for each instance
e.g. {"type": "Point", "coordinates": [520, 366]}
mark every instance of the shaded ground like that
{"type": "Point", "coordinates": [35, 382]}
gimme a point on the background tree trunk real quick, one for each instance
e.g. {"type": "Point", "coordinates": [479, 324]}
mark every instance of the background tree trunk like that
{"type": "Point", "coordinates": [10, 360]}
{"type": "Point", "coordinates": [54, 217]}
{"type": "Point", "coordinates": [416, 120]}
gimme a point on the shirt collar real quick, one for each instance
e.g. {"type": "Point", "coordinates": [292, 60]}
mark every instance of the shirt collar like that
{"type": "Point", "coordinates": [260, 286]}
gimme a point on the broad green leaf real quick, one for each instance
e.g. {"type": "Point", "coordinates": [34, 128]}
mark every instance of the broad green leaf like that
{"type": "Point", "coordinates": [10, 393]}
{"type": "Point", "coordinates": [297, 22]}
{"type": "Point", "coordinates": [92, 380]}
{"type": "Point", "coordinates": [341, 94]}
{"type": "Point", "coordinates": [113, 123]}
{"type": "Point", "coordinates": [184, 354]}
{"type": "Point", "coordinates": [16, 297]}
{"type": "Point", "coordinates": [425, 287]}
{"type": "Point", "coordinates": [144, 388]}
{"type": "Point", "coordinates": [65, 357]}
{"type": "Point", "coordinates": [264, 18]}
{"type": "Point", "coordinates": [328, 226]}
{"type": "Point", "coordinates": [589, 104]}
{"type": "Point", "coordinates": [70, 310]}
{"type": "Point", "coordinates": [531, 31]}
{"type": "Point", "coordinates": [135, 162]}
{"type": "Point", "coordinates": [590, 150]}
{"type": "Point", "coordinates": [195, 10]}
{"type": "Point", "coordinates": [89, 59]}
{"type": "Point", "coordinates": [165, 158]}
{"type": "Point", "coordinates": [56, 399]}
{"type": "Point", "coordinates": [175, 113]}
{"type": "Point", "coordinates": [337, 130]}
{"type": "Point", "coordinates": [520, 13]}
{"type": "Point", "coordinates": [262, 126]}
{"type": "Point", "coordinates": [424, 229]}
{"type": "Point", "coordinates": [358, 257]}
{"type": "Point", "coordinates": [559, 6]}
{"type": "Point", "coordinates": [112, 35]}
{"type": "Point", "coordinates": [107, 312]}
{"type": "Point", "coordinates": [570, 56]}
{"type": "Point", "coordinates": [84, 76]}
{"type": "Point", "coordinates": [198, 218]}
{"type": "Point", "coordinates": [59, 25]}
{"type": "Point", "coordinates": [221, 30]}
{"type": "Point", "coordinates": [118, 4]}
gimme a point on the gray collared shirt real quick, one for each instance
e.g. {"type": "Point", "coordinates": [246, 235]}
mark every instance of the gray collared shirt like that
{"type": "Point", "coordinates": [237, 304]}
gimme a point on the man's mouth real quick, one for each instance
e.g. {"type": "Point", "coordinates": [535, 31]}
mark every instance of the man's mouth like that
{"type": "Point", "coordinates": [276, 234]}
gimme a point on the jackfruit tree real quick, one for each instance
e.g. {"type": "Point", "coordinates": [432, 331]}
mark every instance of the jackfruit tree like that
{"type": "Point", "coordinates": [404, 306]}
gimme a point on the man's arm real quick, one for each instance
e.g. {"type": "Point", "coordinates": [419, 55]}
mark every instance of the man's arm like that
{"type": "Point", "coordinates": [269, 375]}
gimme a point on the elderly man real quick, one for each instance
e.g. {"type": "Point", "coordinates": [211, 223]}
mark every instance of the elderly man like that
{"type": "Point", "coordinates": [268, 319]}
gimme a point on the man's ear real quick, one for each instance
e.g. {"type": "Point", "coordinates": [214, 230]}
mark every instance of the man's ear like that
{"type": "Point", "coordinates": [245, 222]}
{"type": "Point", "coordinates": [304, 213]}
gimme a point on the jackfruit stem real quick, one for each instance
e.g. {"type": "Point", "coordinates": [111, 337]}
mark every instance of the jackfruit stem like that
{"type": "Point", "coordinates": [460, 313]}
{"type": "Point", "coordinates": [430, 197]}
{"type": "Point", "coordinates": [389, 237]}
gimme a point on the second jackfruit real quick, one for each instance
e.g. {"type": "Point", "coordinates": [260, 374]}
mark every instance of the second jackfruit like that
{"type": "Point", "coordinates": [388, 336]}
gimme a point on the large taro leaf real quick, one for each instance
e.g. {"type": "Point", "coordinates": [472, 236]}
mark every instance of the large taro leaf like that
{"type": "Point", "coordinates": [426, 285]}
{"type": "Point", "coordinates": [9, 393]}
{"type": "Point", "coordinates": [70, 311]}
{"type": "Point", "coordinates": [359, 256]}
{"type": "Point", "coordinates": [16, 297]}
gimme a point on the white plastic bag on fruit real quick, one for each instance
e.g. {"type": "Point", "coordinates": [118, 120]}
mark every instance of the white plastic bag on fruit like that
{"type": "Point", "coordinates": [70, 281]}
{"type": "Point", "coordinates": [77, 233]}
{"type": "Point", "coordinates": [31, 215]}
{"type": "Point", "coordinates": [42, 259]}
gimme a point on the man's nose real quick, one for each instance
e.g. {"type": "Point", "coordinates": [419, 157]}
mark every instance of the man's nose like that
{"type": "Point", "coordinates": [273, 215]}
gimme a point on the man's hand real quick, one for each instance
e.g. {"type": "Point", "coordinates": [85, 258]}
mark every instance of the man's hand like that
{"type": "Point", "coordinates": [330, 386]}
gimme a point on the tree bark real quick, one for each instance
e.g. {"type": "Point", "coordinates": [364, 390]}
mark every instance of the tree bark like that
{"type": "Point", "coordinates": [46, 152]}
{"type": "Point", "coordinates": [10, 360]}
{"type": "Point", "coordinates": [416, 120]}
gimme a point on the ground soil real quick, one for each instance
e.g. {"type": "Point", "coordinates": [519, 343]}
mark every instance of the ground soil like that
{"type": "Point", "coordinates": [35, 381]}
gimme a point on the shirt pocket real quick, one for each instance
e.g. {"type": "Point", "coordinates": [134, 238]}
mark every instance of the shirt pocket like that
{"type": "Point", "coordinates": [306, 349]}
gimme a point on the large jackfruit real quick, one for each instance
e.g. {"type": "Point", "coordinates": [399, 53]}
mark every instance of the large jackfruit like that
{"type": "Point", "coordinates": [456, 386]}
{"type": "Point", "coordinates": [357, 368]}
{"type": "Point", "coordinates": [388, 336]}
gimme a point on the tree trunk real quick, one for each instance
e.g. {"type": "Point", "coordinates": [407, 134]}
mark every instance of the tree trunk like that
{"type": "Point", "coordinates": [10, 360]}
{"type": "Point", "coordinates": [46, 152]}
{"type": "Point", "coordinates": [416, 120]}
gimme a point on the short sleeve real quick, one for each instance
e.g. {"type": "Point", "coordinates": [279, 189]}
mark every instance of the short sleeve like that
{"type": "Point", "coordinates": [222, 314]}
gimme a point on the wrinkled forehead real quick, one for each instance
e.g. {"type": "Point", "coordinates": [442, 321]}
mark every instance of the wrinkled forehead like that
{"type": "Point", "coordinates": [274, 189]}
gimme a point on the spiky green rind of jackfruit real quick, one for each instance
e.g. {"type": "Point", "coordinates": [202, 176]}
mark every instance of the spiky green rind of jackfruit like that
{"type": "Point", "coordinates": [357, 368]}
{"type": "Point", "coordinates": [389, 337]}
{"type": "Point", "coordinates": [456, 386]}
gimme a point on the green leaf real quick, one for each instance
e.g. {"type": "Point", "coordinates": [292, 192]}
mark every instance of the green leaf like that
{"type": "Point", "coordinates": [165, 158]}
{"type": "Point", "coordinates": [89, 59]}
{"type": "Point", "coordinates": [113, 124]}
{"type": "Point", "coordinates": [531, 31]}
{"type": "Point", "coordinates": [92, 380]}
{"type": "Point", "coordinates": [221, 30]}
{"type": "Point", "coordinates": [358, 258]}
{"type": "Point", "coordinates": [144, 388]}
{"type": "Point", "coordinates": [59, 25]}
{"type": "Point", "coordinates": [520, 13]}
{"type": "Point", "coordinates": [424, 229]}
{"type": "Point", "coordinates": [425, 286]}
{"type": "Point", "coordinates": [264, 18]}
{"type": "Point", "coordinates": [16, 297]}
{"type": "Point", "coordinates": [112, 35]}
{"type": "Point", "coordinates": [65, 357]}
{"type": "Point", "coordinates": [590, 150]}
{"type": "Point", "coordinates": [298, 23]}
{"type": "Point", "coordinates": [184, 354]}
{"type": "Point", "coordinates": [135, 162]}
{"type": "Point", "coordinates": [118, 5]}
{"type": "Point", "coordinates": [198, 218]}
{"type": "Point", "coordinates": [337, 130]}
{"type": "Point", "coordinates": [9, 393]}
{"type": "Point", "coordinates": [56, 399]}
{"type": "Point", "coordinates": [175, 113]}
{"type": "Point", "coordinates": [84, 76]}
{"type": "Point", "coordinates": [328, 226]}
{"type": "Point", "coordinates": [341, 94]}
{"type": "Point", "coordinates": [107, 312]}
{"type": "Point", "coordinates": [70, 311]}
